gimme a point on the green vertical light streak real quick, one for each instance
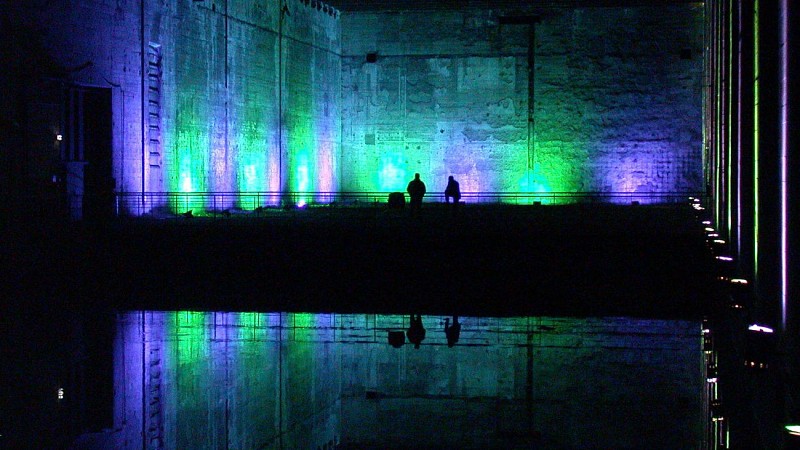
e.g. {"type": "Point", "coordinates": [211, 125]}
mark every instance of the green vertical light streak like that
{"type": "Point", "coordinates": [253, 116]}
{"type": "Point", "coordinates": [190, 354]}
{"type": "Point", "coordinates": [300, 141]}
{"type": "Point", "coordinates": [188, 137]}
{"type": "Point", "coordinates": [756, 84]}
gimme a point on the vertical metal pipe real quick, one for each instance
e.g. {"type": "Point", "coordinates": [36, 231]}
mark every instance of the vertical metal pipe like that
{"type": "Point", "coordinates": [142, 318]}
{"type": "Point", "coordinates": [284, 10]}
{"type": "Point", "coordinates": [531, 104]}
{"type": "Point", "coordinates": [142, 92]}
{"type": "Point", "coordinates": [783, 159]}
{"type": "Point", "coordinates": [227, 96]}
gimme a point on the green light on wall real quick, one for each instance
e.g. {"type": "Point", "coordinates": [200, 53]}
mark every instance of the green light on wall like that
{"type": "Point", "coordinates": [301, 177]}
{"type": "Point", "coordinates": [251, 171]}
{"type": "Point", "coordinates": [756, 135]}
{"type": "Point", "coordinates": [185, 174]}
{"type": "Point", "coordinates": [391, 172]}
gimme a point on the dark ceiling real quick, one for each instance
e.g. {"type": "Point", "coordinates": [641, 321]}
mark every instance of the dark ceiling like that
{"type": "Point", "coordinates": [406, 5]}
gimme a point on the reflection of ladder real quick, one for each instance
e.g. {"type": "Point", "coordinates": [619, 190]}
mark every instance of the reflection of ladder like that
{"type": "Point", "coordinates": [155, 399]}
{"type": "Point", "coordinates": [154, 104]}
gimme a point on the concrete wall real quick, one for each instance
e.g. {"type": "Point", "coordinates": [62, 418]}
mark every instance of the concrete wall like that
{"type": "Point", "coordinates": [612, 103]}
{"type": "Point", "coordinates": [200, 110]}
{"type": "Point", "coordinates": [252, 380]}
{"type": "Point", "coordinates": [615, 107]}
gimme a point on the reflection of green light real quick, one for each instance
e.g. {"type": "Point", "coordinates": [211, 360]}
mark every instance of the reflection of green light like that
{"type": "Point", "coordinates": [191, 335]}
{"type": "Point", "coordinates": [250, 325]}
{"type": "Point", "coordinates": [794, 430]}
{"type": "Point", "coordinates": [303, 320]}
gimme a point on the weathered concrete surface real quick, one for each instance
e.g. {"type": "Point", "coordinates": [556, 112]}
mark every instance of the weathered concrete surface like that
{"type": "Point", "coordinates": [212, 84]}
{"type": "Point", "coordinates": [616, 99]}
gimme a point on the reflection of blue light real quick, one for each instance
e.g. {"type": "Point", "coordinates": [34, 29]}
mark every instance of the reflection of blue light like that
{"type": "Point", "coordinates": [275, 362]}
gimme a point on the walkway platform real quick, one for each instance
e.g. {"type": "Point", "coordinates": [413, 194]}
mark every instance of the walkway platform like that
{"type": "Point", "coordinates": [485, 260]}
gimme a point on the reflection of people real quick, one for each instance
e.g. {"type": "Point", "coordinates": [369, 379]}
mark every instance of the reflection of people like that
{"type": "Point", "coordinates": [416, 190]}
{"type": "Point", "coordinates": [453, 332]}
{"type": "Point", "coordinates": [416, 332]}
{"type": "Point", "coordinates": [452, 190]}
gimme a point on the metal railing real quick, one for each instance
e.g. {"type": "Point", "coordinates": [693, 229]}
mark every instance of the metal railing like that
{"type": "Point", "coordinates": [215, 203]}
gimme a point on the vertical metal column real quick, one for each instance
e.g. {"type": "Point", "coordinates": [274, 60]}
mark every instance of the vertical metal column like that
{"type": "Point", "coordinates": [284, 11]}
{"type": "Point", "coordinates": [143, 111]}
{"type": "Point", "coordinates": [531, 103]}
{"type": "Point", "coordinates": [531, 22]}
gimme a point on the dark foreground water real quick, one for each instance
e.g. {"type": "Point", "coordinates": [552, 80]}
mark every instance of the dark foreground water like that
{"type": "Point", "coordinates": [289, 380]}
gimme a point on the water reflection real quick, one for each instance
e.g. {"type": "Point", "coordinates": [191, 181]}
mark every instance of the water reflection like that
{"type": "Point", "coordinates": [285, 380]}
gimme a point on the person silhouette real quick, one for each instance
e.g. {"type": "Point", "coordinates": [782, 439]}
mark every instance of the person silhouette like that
{"type": "Point", "coordinates": [452, 191]}
{"type": "Point", "coordinates": [416, 332]}
{"type": "Point", "coordinates": [416, 190]}
{"type": "Point", "coordinates": [453, 332]}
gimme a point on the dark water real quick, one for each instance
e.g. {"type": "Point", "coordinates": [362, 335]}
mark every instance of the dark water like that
{"type": "Point", "coordinates": [289, 380]}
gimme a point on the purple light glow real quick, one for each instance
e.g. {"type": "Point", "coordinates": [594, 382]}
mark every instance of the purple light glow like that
{"type": "Point", "coordinates": [784, 155]}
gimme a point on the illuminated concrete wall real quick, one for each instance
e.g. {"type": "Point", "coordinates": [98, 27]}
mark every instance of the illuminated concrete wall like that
{"type": "Point", "coordinates": [616, 100]}
{"type": "Point", "coordinates": [612, 104]}
{"type": "Point", "coordinates": [253, 380]}
{"type": "Point", "coordinates": [227, 74]}
{"type": "Point", "coordinates": [197, 87]}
